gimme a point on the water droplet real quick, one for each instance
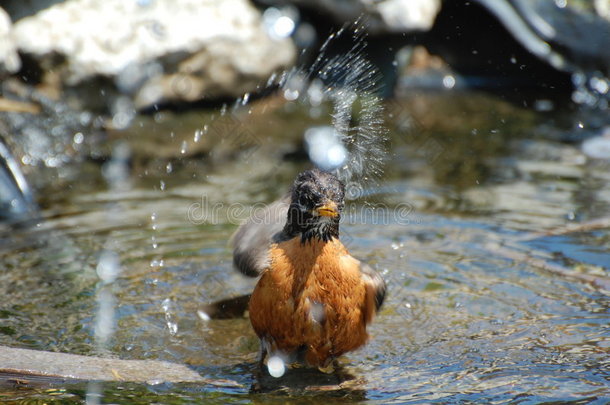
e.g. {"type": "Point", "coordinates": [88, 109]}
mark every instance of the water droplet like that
{"type": "Point", "coordinates": [271, 79]}
{"type": "Point", "coordinates": [291, 95]}
{"type": "Point", "coordinates": [276, 366]}
{"type": "Point", "coordinates": [317, 312]}
{"type": "Point", "coordinates": [197, 136]}
{"type": "Point", "coordinates": [599, 84]}
{"type": "Point", "coordinates": [162, 185]}
{"type": "Point", "coordinates": [85, 118]}
{"type": "Point", "coordinates": [325, 148]}
{"type": "Point", "coordinates": [203, 315]}
{"type": "Point", "coordinates": [543, 105]}
{"type": "Point", "coordinates": [157, 263]}
{"type": "Point", "coordinates": [578, 79]}
{"type": "Point", "coordinates": [109, 266]}
{"type": "Point", "coordinates": [169, 168]}
{"type": "Point", "coordinates": [448, 81]}
{"type": "Point", "coordinates": [105, 320]}
{"type": "Point", "coordinates": [123, 112]}
{"type": "Point", "coordinates": [561, 3]}
{"type": "Point", "coordinates": [171, 325]}
{"type": "Point", "coordinates": [183, 147]}
{"type": "Point", "coordinates": [52, 161]}
{"type": "Point", "coordinates": [280, 23]}
{"type": "Point", "coordinates": [78, 138]}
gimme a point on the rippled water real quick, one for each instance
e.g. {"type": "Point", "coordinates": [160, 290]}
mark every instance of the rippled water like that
{"type": "Point", "coordinates": [485, 303]}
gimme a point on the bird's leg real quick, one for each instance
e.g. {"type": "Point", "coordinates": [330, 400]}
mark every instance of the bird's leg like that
{"type": "Point", "coordinates": [262, 353]}
{"type": "Point", "coordinates": [258, 373]}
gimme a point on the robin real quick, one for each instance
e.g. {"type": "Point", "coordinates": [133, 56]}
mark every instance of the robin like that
{"type": "Point", "coordinates": [313, 300]}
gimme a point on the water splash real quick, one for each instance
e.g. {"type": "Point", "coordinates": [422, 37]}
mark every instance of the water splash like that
{"type": "Point", "coordinates": [123, 112]}
{"type": "Point", "coordinates": [116, 171]}
{"type": "Point", "coordinates": [172, 326]}
{"type": "Point", "coordinates": [325, 147]}
{"type": "Point", "coordinates": [276, 366]}
{"type": "Point", "coordinates": [156, 262]}
{"type": "Point", "coordinates": [351, 83]}
{"type": "Point", "coordinates": [108, 269]}
{"type": "Point", "coordinates": [355, 148]}
{"type": "Point", "coordinates": [94, 393]}
{"type": "Point", "coordinates": [105, 322]}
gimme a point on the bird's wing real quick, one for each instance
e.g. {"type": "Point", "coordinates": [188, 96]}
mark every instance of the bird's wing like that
{"type": "Point", "coordinates": [375, 290]}
{"type": "Point", "coordinates": [253, 238]}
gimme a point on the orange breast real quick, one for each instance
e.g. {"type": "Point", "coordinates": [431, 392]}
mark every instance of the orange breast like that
{"type": "Point", "coordinates": [311, 297]}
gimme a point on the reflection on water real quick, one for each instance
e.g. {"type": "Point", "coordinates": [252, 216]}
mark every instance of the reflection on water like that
{"type": "Point", "coordinates": [475, 311]}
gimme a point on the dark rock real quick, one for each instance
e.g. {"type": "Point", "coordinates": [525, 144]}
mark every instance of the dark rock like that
{"type": "Point", "coordinates": [567, 38]}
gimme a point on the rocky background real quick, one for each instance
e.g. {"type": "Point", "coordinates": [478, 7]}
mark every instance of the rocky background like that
{"type": "Point", "coordinates": [153, 52]}
{"type": "Point", "coordinates": [73, 71]}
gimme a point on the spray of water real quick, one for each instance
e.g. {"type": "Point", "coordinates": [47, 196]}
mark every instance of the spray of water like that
{"type": "Point", "coordinates": [108, 269]}
{"type": "Point", "coordinates": [351, 83]}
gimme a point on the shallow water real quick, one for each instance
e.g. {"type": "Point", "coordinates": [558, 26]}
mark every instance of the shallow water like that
{"type": "Point", "coordinates": [484, 303]}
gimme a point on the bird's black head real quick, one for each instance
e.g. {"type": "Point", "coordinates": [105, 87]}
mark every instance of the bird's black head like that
{"type": "Point", "coordinates": [315, 206]}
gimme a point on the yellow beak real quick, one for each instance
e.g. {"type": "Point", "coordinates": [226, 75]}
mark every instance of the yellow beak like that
{"type": "Point", "coordinates": [328, 210]}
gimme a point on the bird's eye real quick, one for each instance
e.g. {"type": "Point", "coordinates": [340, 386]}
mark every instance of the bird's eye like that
{"type": "Point", "coordinates": [303, 200]}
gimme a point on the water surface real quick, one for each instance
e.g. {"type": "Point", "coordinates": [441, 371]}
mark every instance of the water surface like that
{"type": "Point", "coordinates": [485, 303]}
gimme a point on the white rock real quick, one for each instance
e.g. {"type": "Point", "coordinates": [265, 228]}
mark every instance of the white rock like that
{"type": "Point", "coordinates": [9, 60]}
{"type": "Point", "coordinates": [382, 16]}
{"type": "Point", "coordinates": [218, 47]}
{"type": "Point", "coordinates": [408, 15]}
